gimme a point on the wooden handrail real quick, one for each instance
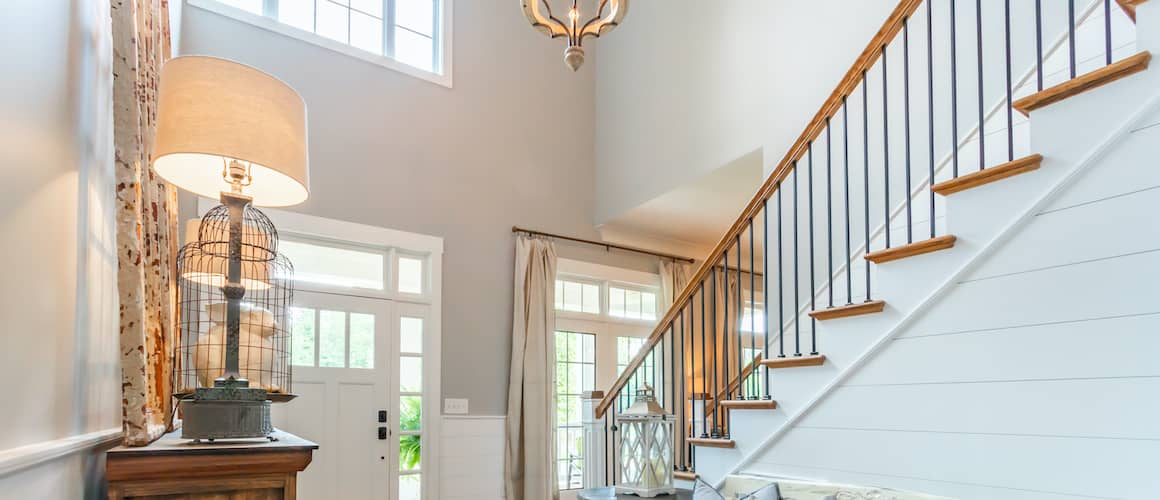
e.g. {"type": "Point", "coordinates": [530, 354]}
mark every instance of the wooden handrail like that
{"type": "Point", "coordinates": [830, 107]}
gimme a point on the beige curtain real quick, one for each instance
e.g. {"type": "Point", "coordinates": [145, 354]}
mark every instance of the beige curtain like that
{"type": "Point", "coordinates": [146, 221]}
{"type": "Point", "coordinates": [530, 451]}
{"type": "Point", "coordinates": [674, 277]}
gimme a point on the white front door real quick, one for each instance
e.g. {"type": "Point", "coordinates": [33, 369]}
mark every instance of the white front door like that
{"type": "Point", "coordinates": [343, 367]}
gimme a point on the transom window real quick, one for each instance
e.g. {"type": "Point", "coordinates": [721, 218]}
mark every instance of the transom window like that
{"type": "Point", "coordinates": [613, 300]}
{"type": "Point", "coordinates": [407, 31]}
{"type": "Point", "coordinates": [632, 303]}
{"type": "Point", "coordinates": [577, 296]}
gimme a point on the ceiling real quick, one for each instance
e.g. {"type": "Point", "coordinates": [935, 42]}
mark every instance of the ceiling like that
{"type": "Point", "coordinates": [690, 218]}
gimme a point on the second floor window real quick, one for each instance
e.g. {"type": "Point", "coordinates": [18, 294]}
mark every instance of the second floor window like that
{"type": "Point", "coordinates": [407, 31]}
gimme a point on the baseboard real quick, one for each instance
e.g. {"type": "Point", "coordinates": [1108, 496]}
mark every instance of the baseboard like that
{"type": "Point", "coordinates": [17, 459]}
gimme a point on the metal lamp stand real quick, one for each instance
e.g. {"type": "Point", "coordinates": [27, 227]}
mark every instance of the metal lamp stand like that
{"type": "Point", "coordinates": [231, 409]}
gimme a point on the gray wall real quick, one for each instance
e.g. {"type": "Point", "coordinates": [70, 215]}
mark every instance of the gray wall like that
{"type": "Point", "coordinates": [511, 143]}
{"type": "Point", "coordinates": [58, 295]}
{"type": "Point", "coordinates": [744, 75]}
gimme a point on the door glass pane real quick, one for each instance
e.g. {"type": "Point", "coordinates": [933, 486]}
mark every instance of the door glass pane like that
{"type": "Point", "coordinates": [410, 487]}
{"type": "Point", "coordinates": [297, 13]}
{"type": "Point", "coordinates": [411, 335]}
{"type": "Point", "coordinates": [362, 340]}
{"type": "Point", "coordinates": [332, 339]}
{"type": "Point", "coordinates": [302, 336]}
{"type": "Point", "coordinates": [410, 374]}
{"type": "Point", "coordinates": [409, 453]}
{"type": "Point", "coordinates": [410, 413]}
{"type": "Point", "coordinates": [410, 275]}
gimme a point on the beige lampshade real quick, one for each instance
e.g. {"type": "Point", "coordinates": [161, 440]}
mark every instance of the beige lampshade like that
{"type": "Point", "coordinates": [211, 110]}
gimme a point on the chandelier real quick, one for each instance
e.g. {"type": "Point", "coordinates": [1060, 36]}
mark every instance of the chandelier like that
{"type": "Point", "coordinates": [609, 14]}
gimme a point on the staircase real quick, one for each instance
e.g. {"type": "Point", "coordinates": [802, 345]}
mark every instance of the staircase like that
{"type": "Point", "coordinates": [953, 129]}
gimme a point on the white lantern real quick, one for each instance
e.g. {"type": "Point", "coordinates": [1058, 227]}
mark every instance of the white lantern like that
{"type": "Point", "coordinates": [646, 448]}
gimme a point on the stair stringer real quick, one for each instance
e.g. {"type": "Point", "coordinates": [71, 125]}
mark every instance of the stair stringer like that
{"type": "Point", "coordinates": [1068, 134]}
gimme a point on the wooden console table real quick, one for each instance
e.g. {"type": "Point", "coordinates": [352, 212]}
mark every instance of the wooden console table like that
{"type": "Point", "coordinates": [173, 467]}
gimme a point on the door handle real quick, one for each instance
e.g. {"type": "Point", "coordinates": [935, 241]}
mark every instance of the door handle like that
{"type": "Point", "coordinates": [382, 433]}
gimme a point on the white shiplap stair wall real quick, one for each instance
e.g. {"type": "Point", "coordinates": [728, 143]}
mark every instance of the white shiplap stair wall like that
{"type": "Point", "coordinates": [1018, 364]}
{"type": "Point", "coordinates": [1033, 375]}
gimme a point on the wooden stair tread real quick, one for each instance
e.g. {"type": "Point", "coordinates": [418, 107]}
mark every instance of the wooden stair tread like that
{"type": "Point", "coordinates": [874, 306]}
{"type": "Point", "coordinates": [912, 249]}
{"type": "Point", "coordinates": [1083, 83]}
{"type": "Point", "coordinates": [795, 361]}
{"type": "Point", "coordinates": [712, 442]}
{"type": "Point", "coordinates": [749, 404]}
{"type": "Point", "coordinates": [987, 176]}
{"type": "Point", "coordinates": [1129, 7]}
{"type": "Point", "coordinates": [685, 475]}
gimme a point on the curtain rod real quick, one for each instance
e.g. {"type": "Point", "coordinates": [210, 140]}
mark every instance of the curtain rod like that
{"type": "Point", "coordinates": [607, 246]}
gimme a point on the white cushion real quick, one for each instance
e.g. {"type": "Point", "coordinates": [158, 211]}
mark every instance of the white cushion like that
{"type": "Point", "coordinates": [705, 491]}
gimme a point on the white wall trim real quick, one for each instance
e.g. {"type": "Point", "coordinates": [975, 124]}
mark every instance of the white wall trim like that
{"type": "Point", "coordinates": [24, 457]}
{"type": "Point", "coordinates": [1005, 234]}
{"type": "Point", "coordinates": [475, 417]}
{"type": "Point", "coordinates": [272, 25]}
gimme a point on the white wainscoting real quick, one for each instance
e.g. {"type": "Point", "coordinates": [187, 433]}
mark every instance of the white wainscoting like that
{"type": "Point", "coordinates": [472, 458]}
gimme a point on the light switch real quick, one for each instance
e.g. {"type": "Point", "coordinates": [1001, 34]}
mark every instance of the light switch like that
{"type": "Point", "coordinates": [452, 406]}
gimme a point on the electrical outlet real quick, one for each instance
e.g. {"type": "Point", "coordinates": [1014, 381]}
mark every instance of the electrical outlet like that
{"type": "Point", "coordinates": [452, 406]}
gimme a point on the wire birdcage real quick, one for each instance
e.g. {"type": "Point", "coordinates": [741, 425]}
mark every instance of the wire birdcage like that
{"type": "Point", "coordinates": [264, 341]}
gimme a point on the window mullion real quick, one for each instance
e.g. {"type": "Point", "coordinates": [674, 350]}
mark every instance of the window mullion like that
{"type": "Point", "coordinates": [270, 8]}
{"type": "Point", "coordinates": [389, 28]}
{"type": "Point", "coordinates": [436, 34]}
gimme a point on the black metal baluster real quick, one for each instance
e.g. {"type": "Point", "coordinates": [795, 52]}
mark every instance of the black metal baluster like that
{"type": "Point", "coordinates": [906, 124]}
{"type": "Point", "coordinates": [979, 51]}
{"type": "Point", "coordinates": [829, 223]}
{"type": "Point", "coordinates": [752, 312]}
{"type": "Point", "coordinates": [663, 382]}
{"type": "Point", "coordinates": [1107, 31]}
{"type": "Point", "coordinates": [797, 341]}
{"type": "Point", "coordinates": [765, 289]}
{"type": "Point", "coordinates": [1039, 44]}
{"type": "Point", "coordinates": [724, 324]}
{"type": "Point", "coordinates": [846, 191]}
{"type": "Point", "coordinates": [885, 151]}
{"type": "Point", "coordinates": [683, 401]}
{"type": "Point", "coordinates": [1010, 116]}
{"type": "Point", "coordinates": [715, 431]}
{"type": "Point", "coordinates": [813, 289]}
{"type": "Point", "coordinates": [780, 292]}
{"type": "Point", "coordinates": [737, 323]}
{"type": "Point", "coordinates": [954, 97]}
{"type": "Point", "coordinates": [930, 105]}
{"type": "Point", "coordinates": [1071, 37]}
{"type": "Point", "coordinates": [866, 172]}
{"type": "Point", "coordinates": [704, 369]}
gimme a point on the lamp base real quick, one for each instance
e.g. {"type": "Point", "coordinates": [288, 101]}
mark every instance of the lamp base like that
{"type": "Point", "coordinates": [226, 412]}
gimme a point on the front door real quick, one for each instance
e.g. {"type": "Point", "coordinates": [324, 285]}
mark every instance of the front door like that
{"type": "Point", "coordinates": [342, 374]}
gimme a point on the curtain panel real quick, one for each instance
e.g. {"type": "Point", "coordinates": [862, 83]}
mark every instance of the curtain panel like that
{"type": "Point", "coordinates": [147, 238]}
{"type": "Point", "coordinates": [530, 451]}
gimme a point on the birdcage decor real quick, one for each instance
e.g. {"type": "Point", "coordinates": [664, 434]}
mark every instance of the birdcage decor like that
{"type": "Point", "coordinates": [238, 378]}
{"type": "Point", "coordinates": [646, 448]}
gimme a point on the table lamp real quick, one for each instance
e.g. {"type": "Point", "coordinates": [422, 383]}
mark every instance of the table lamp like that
{"type": "Point", "coordinates": [228, 130]}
